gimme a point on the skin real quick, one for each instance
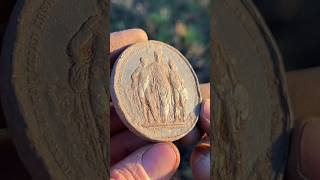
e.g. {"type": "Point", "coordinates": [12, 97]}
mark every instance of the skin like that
{"type": "Point", "coordinates": [123, 156]}
{"type": "Point", "coordinates": [304, 156]}
{"type": "Point", "coordinates": [141, 157]}
{"type": "Point", "coordinates": [305, 136]}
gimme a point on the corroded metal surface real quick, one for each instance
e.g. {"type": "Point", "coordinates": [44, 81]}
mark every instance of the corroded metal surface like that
{"type": "Point", "coordinates": [54, 70]}
{"type": "Point", "coordinates": [155, 91]}
{"type": "Point", "coordinates": [251, 116]}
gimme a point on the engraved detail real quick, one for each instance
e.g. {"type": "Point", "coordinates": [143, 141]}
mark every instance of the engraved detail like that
{"type": "Point", "coordinates": [80, 51]}
{"type": "Point", "coordinates": [86, 76]}
{"type": "Point", "coordinates": [152, 114]}
{"type": "Point", "coordinates": [55, 146]}
{"type": "Point", "coordinates": [158, 93]}
{"type": "Point", "coordinates": [34, 85]}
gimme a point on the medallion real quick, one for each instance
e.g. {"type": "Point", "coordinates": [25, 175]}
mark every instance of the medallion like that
{"type": "Point", "coordinates": [54, 70]}
{"type": "Point", "coordinates": [155, 91]}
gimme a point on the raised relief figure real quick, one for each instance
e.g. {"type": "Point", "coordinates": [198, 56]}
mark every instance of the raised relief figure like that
{"type": "Point", "coordinates": [86, 53]}
{"type": "Point", "coordinates": [140, 80]}
{"type": "Point", "coordinates": [160, 87]}
{"type": "Point", "coordinates": [180, 93]}
{"type": "Point", "coordinates": [158, 93]}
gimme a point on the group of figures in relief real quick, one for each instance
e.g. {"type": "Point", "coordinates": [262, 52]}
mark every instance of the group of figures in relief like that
{"type": "Point", "coordinates": [158, 92]}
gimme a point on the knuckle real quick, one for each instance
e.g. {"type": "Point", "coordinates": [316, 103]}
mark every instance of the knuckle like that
{"type": "Point", "coordinates": [117, 175]}
{"type": "Point", "coordinates": [128, 173]}
{"type": "Point", "coordinates": [124, 174]}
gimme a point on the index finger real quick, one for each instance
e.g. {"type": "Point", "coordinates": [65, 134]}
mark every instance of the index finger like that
{"type": "Point", "coordinates": [205, 116]}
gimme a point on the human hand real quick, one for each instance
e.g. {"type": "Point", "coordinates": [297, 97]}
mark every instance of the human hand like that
{"type": "Point", "coordinates": [200, 158]}
{"type": "Point", "coordinates": [304, 156]}
{"type": "Point", "coordinates": [135, 158]}
{"type": "Point", "coordinates": [304, 153]}
{"type": "Point", "coordinates": [130, 156]}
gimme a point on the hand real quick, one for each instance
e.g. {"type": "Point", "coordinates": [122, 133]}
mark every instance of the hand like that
{"type": "Point", "coordinates": [134, 158]}
{"type": "Point", "coordinates": [304, 156]}
{"type": "Point", "coordinates": [200, 158]}
{"type": "Point", "coordinates": [130, 156]}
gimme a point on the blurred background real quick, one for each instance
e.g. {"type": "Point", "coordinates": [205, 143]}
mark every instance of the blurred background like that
{"type": "Point", "coordinates": [295, 25]}
{"type": "Point", "coordinates": [185, 24]}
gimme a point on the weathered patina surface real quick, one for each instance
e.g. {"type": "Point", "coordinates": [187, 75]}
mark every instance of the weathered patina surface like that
{"type": "Point", "coordinates": [155, 91]}
{"type": "Point", "coordinates": [251, 117]}
{"type": "Point", "coordinates": [54, 74]}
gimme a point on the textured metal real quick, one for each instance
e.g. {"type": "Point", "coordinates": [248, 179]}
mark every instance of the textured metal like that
{"type": "Point", "coordinates": [54, 71]}
{"type": "Point", "coordinates": [155, 91]}
{"type": "Point", "coordinates": [251, 117]}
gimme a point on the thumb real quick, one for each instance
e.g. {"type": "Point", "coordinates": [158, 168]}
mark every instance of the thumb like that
{"type": "Point", "coordinates": [304, 157]}
{"type": "Point", "coordinates": [200, 158]}
{"type": "Point", "coordinates": [157, 161]}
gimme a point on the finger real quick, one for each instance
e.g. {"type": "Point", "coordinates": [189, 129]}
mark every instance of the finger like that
{"type": "Point", "coordinates": [191, 138]}
{"type": "Point", "coordinates": [122, 144]}
{"type": "Point", "coordinates": [123, 38]}
{"type": "Point", "coordinates": [205, 116]}
{"type": "Point", "coordinates": [120, 40]}
{"type": "Point", "coordinates": [205, 90]}
{"type": "Point", "coordinates": [116, 124]}
{"type": "Point", "coordinates": [196, 134]}
{"type": "Point", "coordinates": [304, 87]}
{"type": "Point", "coordinates": [157, 161]}
{"type": "Point", "coordinates": [304, 157]}
{"type": "Point", "coordinates": [200, 161]}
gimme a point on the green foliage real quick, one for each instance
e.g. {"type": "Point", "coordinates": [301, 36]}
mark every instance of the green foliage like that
{"type": "Point", "coordinates": [185, 24]}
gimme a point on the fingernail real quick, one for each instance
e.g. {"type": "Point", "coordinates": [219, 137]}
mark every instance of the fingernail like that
{"type": "Point", "coordinates": [200, 162]}
{"type": "Point", "coordinates": [161, 160]}
{"type": "Point", "coordinates": [310, 149]}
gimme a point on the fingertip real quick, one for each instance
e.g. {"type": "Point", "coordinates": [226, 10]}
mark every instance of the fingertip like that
{"type": "Point", "coordinates": [157, 161]}
{"type": "Point", "coordinates": [161, 160]}
{"type": "Point", "coordinates": [200, 162]}
{"type": "Point", "coordinates": [200, 150]}
{"type": "Point", "coordinates": [122, 39]}
{"type": "Point", "coordinates": [192, 137]}
{"type": "Point", "coordinates": [304, 158]}
{"type": "Point", "coordinates": [140, 34]}
{"type": "Point", "coordinates": [205, 90]}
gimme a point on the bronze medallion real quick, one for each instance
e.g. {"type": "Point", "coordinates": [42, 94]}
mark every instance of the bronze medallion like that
{"type": "Point", "coordinates": [251, 114]}
{"type": "Point", "coordinates": [54, 70]}
{"type": "Point", "coordinates": [155, 91]}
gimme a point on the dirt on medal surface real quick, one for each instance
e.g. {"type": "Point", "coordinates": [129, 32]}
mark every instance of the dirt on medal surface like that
{"type": "Point", "coordinates": [251, 116]}
{"type": "Point", "coordinates": [54, 95]}
{"type": "Point", "coordinates": [155, 91]}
